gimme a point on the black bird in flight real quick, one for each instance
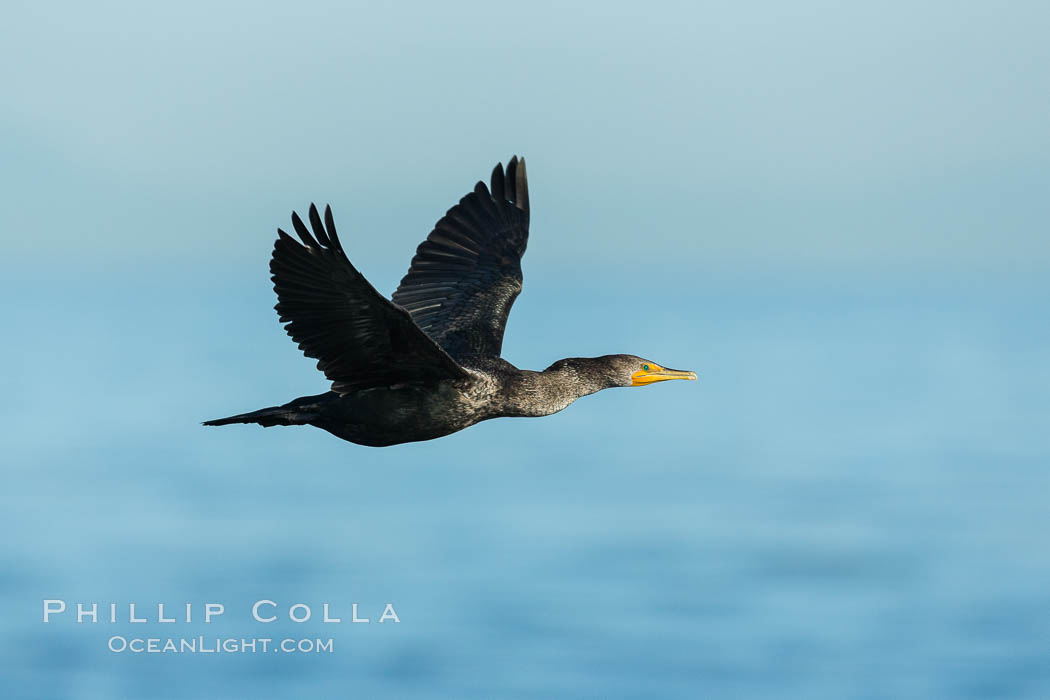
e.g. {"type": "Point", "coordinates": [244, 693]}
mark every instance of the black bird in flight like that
{"type": "Point", "coordinates": [426, 363]}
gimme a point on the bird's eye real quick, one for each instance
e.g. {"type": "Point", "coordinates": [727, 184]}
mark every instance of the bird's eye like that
{"type": "Point", "coordinates": [645, 367]}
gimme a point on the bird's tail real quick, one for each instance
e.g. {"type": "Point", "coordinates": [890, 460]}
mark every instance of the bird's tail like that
{"type": "Point", "coordinates": [295, 412]}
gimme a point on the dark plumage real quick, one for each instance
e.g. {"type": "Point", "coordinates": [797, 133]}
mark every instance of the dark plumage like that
{"type": "Point", "coordinates": [427, 363]}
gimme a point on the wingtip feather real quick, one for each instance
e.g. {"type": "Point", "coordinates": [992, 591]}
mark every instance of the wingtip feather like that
{"type": "Point", "coordinates": [318, 227]}
{"type": "Point", "coordinates": [329, 222]}
{"type": "Point", "coordinates": [498, 186]}
{"type": "Point", "coordinates": [303, 232]}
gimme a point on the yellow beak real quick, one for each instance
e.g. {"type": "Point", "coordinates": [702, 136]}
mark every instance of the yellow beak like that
{"type": "Point", "coordinates": [659, 374]}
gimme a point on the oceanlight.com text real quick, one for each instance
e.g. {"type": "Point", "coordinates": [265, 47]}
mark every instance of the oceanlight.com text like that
{"type": "Point", "coordinates": [219, 645]}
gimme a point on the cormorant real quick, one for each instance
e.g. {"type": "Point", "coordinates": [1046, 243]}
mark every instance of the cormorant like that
{"type": "Point", "coordinates": [427, 363]}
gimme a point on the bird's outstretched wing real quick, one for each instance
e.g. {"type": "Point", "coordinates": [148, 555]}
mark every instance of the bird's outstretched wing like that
{"type": "Point", "coordinates": [467, 273]}
{"type": "Point", "coordinates": [359, 338]}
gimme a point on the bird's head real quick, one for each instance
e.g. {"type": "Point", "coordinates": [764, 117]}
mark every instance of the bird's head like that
{"type": "Point", "coordinates": [630, 370]}
{"type": "Point", "coordinates": [569, 379]}
{"type": "Point", "coordinates": [643, 372]}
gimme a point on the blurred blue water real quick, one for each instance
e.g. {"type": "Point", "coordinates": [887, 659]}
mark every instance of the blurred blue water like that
{"type": "Point", "coordinates": [850, 503]}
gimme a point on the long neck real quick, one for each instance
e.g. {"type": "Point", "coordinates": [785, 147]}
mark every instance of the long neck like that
{"type": "Point", "coordinates": [530, 393]}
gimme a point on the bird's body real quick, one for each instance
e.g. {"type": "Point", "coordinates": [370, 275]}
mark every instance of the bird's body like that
{"type": "Point", "coordinates": [426, 363]}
